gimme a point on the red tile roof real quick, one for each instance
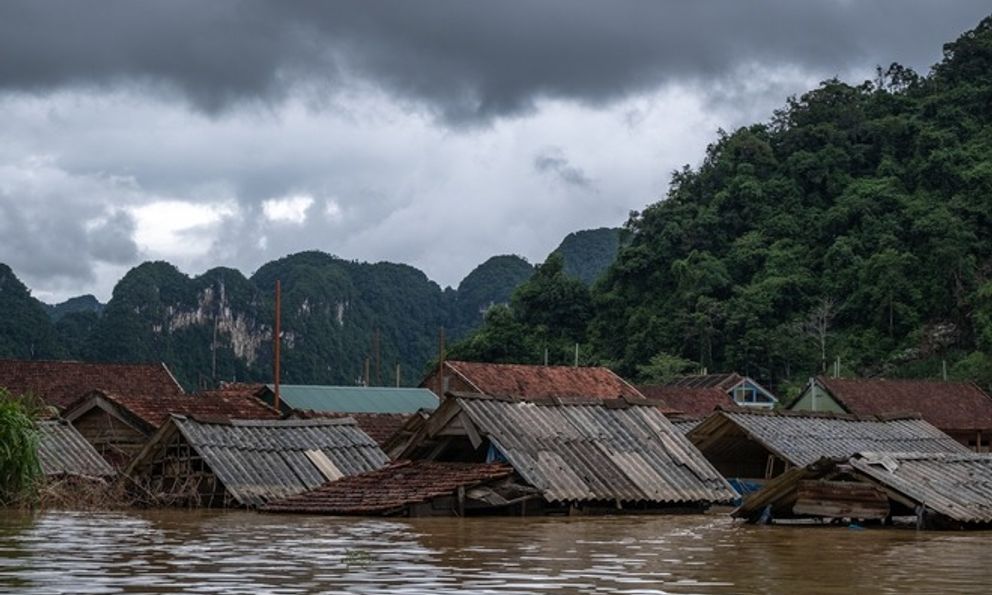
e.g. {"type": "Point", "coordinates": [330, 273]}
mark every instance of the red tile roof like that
{"type": "Point", "coordinates": [154, 410]}
{"type": "Point", "coordinates": [946, 405]}
{"type": "Point", "coordinates": [688, 401]}
{"type": "Point", "coordinates": [60, 383]}
{"type": "Point", "coordinates": [379, 426]}
{"type": "Point", "coordinates": [391, 488]}
{"type": "Point", "coordinates": [534, 382]}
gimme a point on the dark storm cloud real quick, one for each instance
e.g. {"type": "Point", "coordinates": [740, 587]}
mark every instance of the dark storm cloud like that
{"type": "Point", "coordinates": [553, 161]}
{"type": "Point", "coordinates": [466, 61]}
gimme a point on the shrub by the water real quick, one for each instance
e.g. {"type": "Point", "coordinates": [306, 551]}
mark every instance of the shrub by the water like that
{"type": "Point", "coordinates": [19, 468]}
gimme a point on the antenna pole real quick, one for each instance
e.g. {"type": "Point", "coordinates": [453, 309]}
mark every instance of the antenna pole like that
{"type": "Point", "coordinates": [276, 340]}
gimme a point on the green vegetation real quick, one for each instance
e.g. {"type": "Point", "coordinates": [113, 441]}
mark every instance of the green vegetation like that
{"type": "Point", "coordinates": [25, 330]}
{"type": "Point", "coordinates": [853, 225]}
{"type": "Point", "coordinates": [19, 469]}
{"type": "Point", "coordinates": [489, 284]}
{"type": "Point", "coordinates": [589, 253]}
{"type": "Point", "coordinates": [81, 304]}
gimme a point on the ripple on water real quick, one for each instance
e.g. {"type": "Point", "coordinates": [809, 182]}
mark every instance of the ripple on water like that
{"type": "Point", "coordinates": [238, 552]}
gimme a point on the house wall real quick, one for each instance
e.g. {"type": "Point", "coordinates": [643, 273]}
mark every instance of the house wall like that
{"type": "Point", "coordinates": [816, 399]}
{"type": "Point", "coordinates": [115, 440]}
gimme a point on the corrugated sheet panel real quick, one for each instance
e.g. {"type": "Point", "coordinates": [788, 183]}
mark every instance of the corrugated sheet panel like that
{"type": "Point", "coordinates": [583, 452]}
{"type": "Point", "coordinates": [63, 451]}
{"type": "Point", "coordinates": [803, 439]}
{"type": "Point", "coordinates": [684, 426]}
{"type": "Point", "coordinates": [356, 399]}
{"type": "Point", "coordinates": [958, 486]}
{"type": "Point", "coordinates": [258, 461]}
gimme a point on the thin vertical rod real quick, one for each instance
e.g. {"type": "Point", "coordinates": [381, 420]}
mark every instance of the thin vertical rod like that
{"type": "Point", "coordinates": [276, 341]}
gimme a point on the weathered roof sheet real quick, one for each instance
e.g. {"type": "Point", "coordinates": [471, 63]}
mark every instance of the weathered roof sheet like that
{"type": "Point", "coordinates": [355, 399]}
{"type": "Point", "coordinates": [60, 383]}
{"type": "Point", "coordinates": [955, 485]}
{"type": "Point", "coordinates": [685, 424]}
{"type": "Point", "coordinates": [616, 450]}
{"type": "Point", "coordinates": [947, 405]}
{"type": "Point", "coordinates": [724, 381]}
{"type": "Point", "coordinates": [689, 400]}
{"type": "Point", "coordinates": [258, 461]}
{"type": "Point", "coordinates": [538, 382]}
{"type": "Point", "coordinates": [63, 451]}
{"type": "Point", "coordinates": [151, 411]}
{"type": "Point", "coordinates": [391, 488]}
{"type": "Point", "coordinates": [958, 486]}
{"type": "Point", "coordinates": [802, 437]}
{"type": "Point", "coordinates": [379, 426]}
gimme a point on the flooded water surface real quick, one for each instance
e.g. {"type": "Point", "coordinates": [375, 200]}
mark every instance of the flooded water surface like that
{"type": "Point", "coordinates": [168, 552]}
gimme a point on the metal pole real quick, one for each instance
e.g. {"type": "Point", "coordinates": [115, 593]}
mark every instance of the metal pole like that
{"type": "Point", "coordinates": [277, 331]}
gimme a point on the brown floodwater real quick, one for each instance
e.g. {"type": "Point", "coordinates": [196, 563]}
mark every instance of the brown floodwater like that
{"type": "Point", "coordinates": [242, 552]}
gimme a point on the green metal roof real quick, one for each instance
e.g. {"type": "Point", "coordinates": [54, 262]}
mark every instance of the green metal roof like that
{"type": "Point", "coordinates": [355, 399]}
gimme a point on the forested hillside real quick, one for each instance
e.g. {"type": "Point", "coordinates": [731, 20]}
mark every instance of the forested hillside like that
{"type": "Point", "coordinates": [587, 254]}
{"type": "Point", "coordinates": [855, 224]}
{"type": "Point", "coordinates": [218, 325]}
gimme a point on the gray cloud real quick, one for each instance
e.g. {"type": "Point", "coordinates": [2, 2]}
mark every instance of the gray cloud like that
{"type": "Point", "coordinates": [112, 240]}
{"type": "Point", "coordinates": [553, 161]}
{"type": "Point", "coordinates": [468, 62]}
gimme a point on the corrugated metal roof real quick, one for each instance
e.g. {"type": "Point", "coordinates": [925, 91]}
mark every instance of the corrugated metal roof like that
{"type": "Point", "coordinates": [685, 425]}
{"type": "Point", "coordinates": [593, 451]}
{"type": "Point", "coordinates": [63, 451]}
{"type": "Point", "coordinates": [355, 399]}
{"type": "Point", "coordinates": [724, 381]}
{"type": "Point", "coordinates": [258, 460]}
{"type": "Point", "coordinates": [391, 488]}
{"type": "Point", "coordinates": [958, 486]}
{"type": "Point", "coordinates": [947, 405]}
{"type": "Point", "coordinates": [802, 438]}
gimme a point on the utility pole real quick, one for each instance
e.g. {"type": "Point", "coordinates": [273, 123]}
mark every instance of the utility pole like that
{"type": "Point", "coordinates": [378, 358]}
{"type": "Point", "coordinates": [440, 363]}
{"type": "Point", "coordinates": [397, 375]}
{"type": "Point", "coordinates": [276, 340]}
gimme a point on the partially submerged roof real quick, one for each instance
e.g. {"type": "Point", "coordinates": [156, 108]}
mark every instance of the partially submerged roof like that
{"type": "Point", "coordinates": [391, 488]}
{"type": "Point", "coordinates": [60, 383]}
{"type": "Point", "coordinates": [617, 450]}
{"type": "Point", "coordinates": [955, 486]}
{"type": "Point", "coordinates": [537, 382]}
{"type": "Point", "coordinates": [63, 451]}
{"type": "Point", "coordinates": [689, 401]}
{"type": "Point", "coordinates": [804, 437]}
{"type": "Point", "coordinates": [262, 460]}
{"type": "Point", "coordinates": [947, 405]}
{"type": "Point", "coordinates": [148, 412]}
{"type": "Point", "coordinates": [355, 399]}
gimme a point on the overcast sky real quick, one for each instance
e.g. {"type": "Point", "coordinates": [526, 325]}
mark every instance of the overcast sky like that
{"type": "Point", "coordinates": [431, 133]}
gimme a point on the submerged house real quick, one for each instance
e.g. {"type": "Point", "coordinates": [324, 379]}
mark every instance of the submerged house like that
{"type": "Point", "coordinates": [577, 455]}
{"type": "Point", "coordinates": [528, 382]}
{"type": "Point", "coordinates": [60, 383]}
{"type": "Point", "coordinates": [755, 446]}
{"type": "Point", "coordinates": [118, 425]}
{"type": "Point", "coordinates": [247, 463]}
{"type": "Point", "coordinates": [742, 391]}
{"type": "Point", "coordinates": [63, 452]}
{"type": "Point", "coordinates": [959, 409]}
{"type": "Point", "coordinates": [942, 491]}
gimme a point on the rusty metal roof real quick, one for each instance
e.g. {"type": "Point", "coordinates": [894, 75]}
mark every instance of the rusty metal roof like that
{"type": "Point", "coordinates": [724, 381]}
{"type": "Point", "coordinates": [262, 460]}
{"type": "Point", "coordinates": [804, 437]}
{"type": "Point", "coordinates": [689, 400]}
{"type": "Point", "coordinates": [947, 405]}
{"type": "Point", "coordinates": [613, 450]}
{"type": "Point", "coordinates": [536, 382]}
{"type": "Point", "coordinates": [63, 451]}
{"type": "Point", "coordinates": [60, 383]}
{"type": "Point", "coordinates": [148, 412]}
{"type": "Point", "coordinates": [391, 488]}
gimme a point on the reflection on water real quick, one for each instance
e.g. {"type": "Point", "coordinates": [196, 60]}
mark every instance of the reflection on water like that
{"type": "Point", "coordinates": [166, 552]}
